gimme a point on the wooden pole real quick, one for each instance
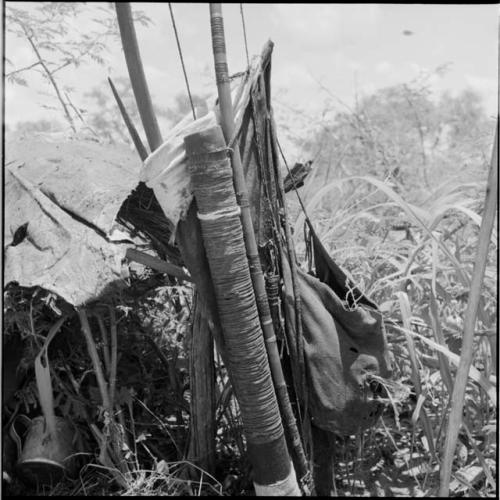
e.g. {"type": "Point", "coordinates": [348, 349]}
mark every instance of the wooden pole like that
{"type": "Point", "coordinates": [205, 329]}
{"type": "Point", "coordinates": [157, 264]}
{"type": "Point", "coordinates": [248, 364]}
{"type": "Point", "coordinates": [202, 380]}
{"type": "Point", "coordinates": [188, 238]}
{"type": "Point", "coordinates": [136, 74]}
{"type": "Point", "coordinates": [228, 128]}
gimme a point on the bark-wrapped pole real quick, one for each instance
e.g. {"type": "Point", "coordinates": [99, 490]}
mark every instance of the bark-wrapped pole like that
{"type": "Point", "coordinates": [228, 129]}
{"type": "Point", "coordinates": [248, 366]}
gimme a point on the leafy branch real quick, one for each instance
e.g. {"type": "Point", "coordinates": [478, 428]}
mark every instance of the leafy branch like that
{"type": "Point", "coordinates": [50, 32]}
{"type": "Point", "coordinates": [49, 75]}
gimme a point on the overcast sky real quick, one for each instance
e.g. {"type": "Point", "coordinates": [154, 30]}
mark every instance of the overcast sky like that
{"type": "Point", "coordinates": [349, 48]}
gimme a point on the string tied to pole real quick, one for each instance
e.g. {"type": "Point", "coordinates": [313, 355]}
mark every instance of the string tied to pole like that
{"type": "Point", "coordinates": [244, 34]}
{"type": "Point", "coordinates": [182, 59]}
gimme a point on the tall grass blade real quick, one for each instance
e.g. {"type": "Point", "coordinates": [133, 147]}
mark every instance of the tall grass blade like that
{"type": "Point", "coordinates": [416, 214]}
{"type": "Point", "coordinates": [96, 362]}
{"type": "Point", "coordinates": [455, 419]}
{"type": "Point", "coordinates": [43, 380]}
{"type": "Point", "coordinates": [476, 218]}
{"type": "Point", "coordinates": [444, 367]}
{"type": "Point", "coordinates": [474, 374]}
{"type": "Point", "coordinates": [404, 305]}
{"type": "Point", "coordinates": [480, 457]}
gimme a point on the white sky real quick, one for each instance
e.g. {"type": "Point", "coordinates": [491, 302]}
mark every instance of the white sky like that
{"type": "Point", "coordinates": [348, 47]}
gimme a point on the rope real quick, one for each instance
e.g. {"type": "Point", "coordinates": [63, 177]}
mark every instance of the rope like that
{"type": "Point", "coordinates": [307, 234]}
{"type": "Point", "coordinates": [182, 59]}
{"type": "Point", "coordinates": [218, 214]}
{"type": "Point", "coordinates": [244, 33]}
{"type": "Point", "coordinates": [273, 284]}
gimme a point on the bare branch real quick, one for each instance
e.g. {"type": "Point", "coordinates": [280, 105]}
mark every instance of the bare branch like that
{"type": "Point", "coordinates": [26, 68]}
{"type": "Point", "coordinates": [50, 77]}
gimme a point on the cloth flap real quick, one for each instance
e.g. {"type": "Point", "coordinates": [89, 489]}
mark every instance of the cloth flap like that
{"type": "Point", "coordinates": [342, 348]}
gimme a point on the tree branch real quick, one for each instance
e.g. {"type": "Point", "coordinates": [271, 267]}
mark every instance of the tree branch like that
{"type": "Point", "coordinates": [22, 69]}
{"type": "Point", "coordinates": [49, 76]}
{"type": "Point", "coordinates": [420, 133]}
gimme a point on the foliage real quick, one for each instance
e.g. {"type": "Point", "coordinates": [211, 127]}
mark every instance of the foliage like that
{"type": "Point", "coordinates": [151, 414]}
{"type": "Point", "coordinates": [411, 248]}
{"type": "Point", "coordinates": [46, 27]}
{"type": "Point", "coordinates": [104, 116]}
{"type": "Point", "coordinates": [107, 122]}
{"type": "Point", "coordinates": [182, 107]}
{"type": "Point", "coordinates": [29, 127]}
{"type": "Point", "coordinates": [404, 133]}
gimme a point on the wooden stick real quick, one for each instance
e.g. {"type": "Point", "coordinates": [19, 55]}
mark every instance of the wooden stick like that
{"type": "Point", "coordinates": [227, 124]}
{"type": "Point", "coordinates": [188, 234]}
{"type": "Point", "coordinates": [218, 211]}
{"type": "Point", "coordinates": [139, 146]}
{"type": "Point", "coordinates": [157, 264]}
{"type": "Point", "coordinates": [202, 404]}
{"type": "Point", "coordinates": [455, 418]}
{"type": "Point", "coordinates": [301, 457]}
{"type": "Point", "coordinates": [136, 74]}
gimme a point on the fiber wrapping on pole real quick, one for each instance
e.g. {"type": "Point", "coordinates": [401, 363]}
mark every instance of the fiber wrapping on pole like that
{"type": "Point", "coordinates": [212, 181]}
{"type": "Point", "coordinates": [252, 253]}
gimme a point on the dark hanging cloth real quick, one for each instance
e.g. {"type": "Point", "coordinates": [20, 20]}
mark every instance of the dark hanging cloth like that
{"type": "Point", "coordinates": [343, 335]}
{"type": "Point", "coordinates": [343, 347]}
{"type": "Point", "coordinates": [328, 272]}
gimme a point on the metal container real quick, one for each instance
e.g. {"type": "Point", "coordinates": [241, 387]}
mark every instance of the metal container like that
{"type": "Point", "coordinates": [44, 458]}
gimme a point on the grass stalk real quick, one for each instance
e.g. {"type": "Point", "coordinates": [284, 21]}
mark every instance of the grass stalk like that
{"type": "Point", "coordinates": [474, 373]}
{"type": "Point", "coordinates": [455, 419]}
{"type": "Point", "coordinates": [105, 343]}
{"type": "Point", "coordinates": [43, 380]}
{"type": "Point", "coordinates": [444, 367]}
{"type": "Point", "coordinates": [92, 349]}
{"type": "Point", "coordinates": [114, 356]}
{"type": "Point", "coordinates": [406, 316]}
